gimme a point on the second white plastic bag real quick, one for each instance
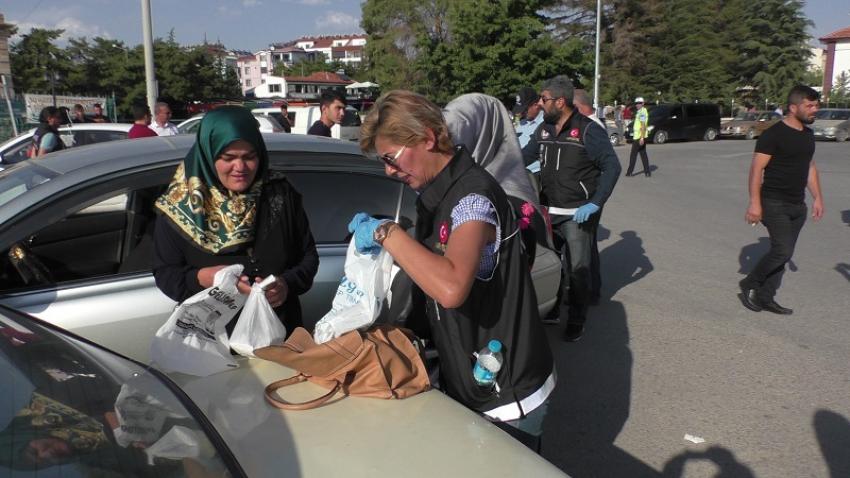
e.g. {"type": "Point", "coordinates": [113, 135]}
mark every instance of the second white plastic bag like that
{"type": "Point", "coordinates": [193, 340]}
{"type": "Point", "coordinates": [360, 294]}
{"type": "Point", "coordinates": [258, 325]}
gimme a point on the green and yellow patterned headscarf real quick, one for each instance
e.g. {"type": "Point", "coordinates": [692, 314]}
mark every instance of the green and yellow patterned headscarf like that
{"type": "Point", "coordinates": [213, 217]}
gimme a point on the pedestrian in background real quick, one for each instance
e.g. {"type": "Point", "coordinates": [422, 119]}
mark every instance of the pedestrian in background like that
{"type": "Point", "coordinates": [284, 117]}
{"type": "Point", "coordinates": [782, 168]}
{"type": "Point", "coordinates": [79, 114]}
{"type": "Point", "coordinates": [585, 107]}
{"type": "Point", "coordinates": [98, 117]}
{"type": "Point", "coordinates": [161, 125]}
{"type": "Point", "coordinates": [332, 107]}
{"type": "Point", "coordinates": [578, 172]}
{"type": "Point", "coordinates": [141, 121]}
{"type": "Point", "coordinates": [529, 112]}
{"type": "Point", "coordinates": [46, 138]}
{"type": "Point", "coordinates": [639, 137]}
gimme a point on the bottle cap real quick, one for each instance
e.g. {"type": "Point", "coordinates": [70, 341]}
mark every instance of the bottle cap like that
{"type": "Point", "coordinates": [494, 346]}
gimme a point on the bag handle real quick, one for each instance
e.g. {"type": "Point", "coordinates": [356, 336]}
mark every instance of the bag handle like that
{"type": "Point", "coordinates": [283, 404]}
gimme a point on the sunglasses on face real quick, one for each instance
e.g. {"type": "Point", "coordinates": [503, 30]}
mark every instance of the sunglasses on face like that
{"type": "Point", "coordinates": [544, 99]}
{"type": "Point", "coordinates": [392, 160]}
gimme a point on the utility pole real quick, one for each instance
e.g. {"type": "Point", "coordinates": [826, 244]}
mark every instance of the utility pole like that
{"type": "Point", "coordinates": [147, 35]}
{"type": "Point", "coordinates": [596, 70]}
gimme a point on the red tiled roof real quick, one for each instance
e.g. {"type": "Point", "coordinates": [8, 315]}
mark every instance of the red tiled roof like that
{"type": "Point", "coordinates": [319, 77]}
{"type": "Point", "coordinates": [843, 34]}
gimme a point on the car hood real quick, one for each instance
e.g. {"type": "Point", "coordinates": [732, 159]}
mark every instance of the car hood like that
{"type": "Point", "coordinates": [425, 435]}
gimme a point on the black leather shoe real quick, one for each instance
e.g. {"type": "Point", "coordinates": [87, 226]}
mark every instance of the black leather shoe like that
{"type": "Point", "coordinates": [772, 306]}
{"type": "Point", "coordinates": [573, 332]}
{"type": "Point", "coordinates": [750, 301]}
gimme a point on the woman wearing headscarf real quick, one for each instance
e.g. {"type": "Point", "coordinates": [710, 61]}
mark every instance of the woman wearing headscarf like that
{"type": "Point", "coordinates": [225, 206]}
{"type": "Point", "coordinates": [466, 259]}
{"type": "Point", "coordinates": [483, 125]}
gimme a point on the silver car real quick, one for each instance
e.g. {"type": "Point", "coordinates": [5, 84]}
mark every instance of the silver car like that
{"type": "Point", "coordinates": [832, 124]}
{"type": "Point", "coordinates": [76, 229]}
{"type": "Point", "coordinates": [76, 236]}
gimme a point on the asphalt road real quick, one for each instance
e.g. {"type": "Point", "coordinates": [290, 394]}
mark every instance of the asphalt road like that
{"type": "Point", "coordinates": [671, 351]}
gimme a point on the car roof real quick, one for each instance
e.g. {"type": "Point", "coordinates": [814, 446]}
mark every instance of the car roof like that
{"type": "Point", "coordinates": [123, 127]}
{"type": "Point", "coordinates": [78, 165]}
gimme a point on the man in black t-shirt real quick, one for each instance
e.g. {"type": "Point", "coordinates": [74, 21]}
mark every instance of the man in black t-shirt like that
{"type": "Point", "coordinates": [332, 107]}
{"type": "Point", "coordinates": [782, 168]}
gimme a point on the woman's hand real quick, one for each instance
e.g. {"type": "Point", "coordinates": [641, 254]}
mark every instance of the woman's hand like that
{"type": "Point", "coordinates": [277, 292]}
{"type": "Point", "coordinates": [206, 277]}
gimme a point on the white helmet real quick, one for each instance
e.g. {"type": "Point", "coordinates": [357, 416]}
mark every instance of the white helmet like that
{"type": "Point", "coordinates": [639, 99]}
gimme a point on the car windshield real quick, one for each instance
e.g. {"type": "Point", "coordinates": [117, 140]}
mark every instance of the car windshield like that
{"type": "Point", "coordinates": [21, 178]}
{"type": "Point", "coordinates": [833, 114]}
{"type": "Point", "coordinates": [746, 116]}
{"type": "Point", "coordinates": [71, 409]}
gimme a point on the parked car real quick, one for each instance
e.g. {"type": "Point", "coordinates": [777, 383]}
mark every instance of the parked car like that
{"type": "Point", "coordinates": [699, 121]}
{"type": "Point", "coordinates": [832, 124]}
{"type": "Point", "coordinates": [78, 224]}
{"type": "Point", "coordinates": [15, 150]}
{"type": "Point", "coordinates": [302, 117]}
{"type": "Point", "coordinates": [749, 124]}
{"type": "Point", "coordinates": [71, 407]}
{"type": "Point", "coordinates": [267, 124]}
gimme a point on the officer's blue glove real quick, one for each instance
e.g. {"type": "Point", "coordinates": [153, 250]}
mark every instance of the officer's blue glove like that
{"type": "Point", "coordinates": [583, 213]}
{"type": "Point", "coordinates": [363, 227]}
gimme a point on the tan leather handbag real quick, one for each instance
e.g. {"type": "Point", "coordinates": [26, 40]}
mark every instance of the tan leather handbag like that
{"type": "Point", "coordinates": [379, 363]}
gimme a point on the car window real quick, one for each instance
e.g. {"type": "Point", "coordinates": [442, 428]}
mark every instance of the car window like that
{"type": "Point", "coordinates": [190, 127]}
{"type": "Point", "coordinates": [14, 182]}
{"type": "Point", "coordinates": [83, 137]}
{"type": "Point", "coordinates": [76, 410]}
{"type": "Point", "coordinates": [331, 199]}
{"type": "Point", "coordinates": [101, 234]}
{"type": "Point", "coordinates": [350, 118]}
{"type": "Point", "coordinates": [17, 153]}
{"type": "Point", "coordinates": [676, 111]}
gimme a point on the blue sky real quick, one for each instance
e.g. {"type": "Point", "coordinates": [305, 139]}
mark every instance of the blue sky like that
{"type": "Point", "coordinates": [249, 24]}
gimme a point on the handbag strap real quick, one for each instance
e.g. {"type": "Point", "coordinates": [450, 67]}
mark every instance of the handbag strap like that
{"type": "Point", "coordinates": [283, 404]}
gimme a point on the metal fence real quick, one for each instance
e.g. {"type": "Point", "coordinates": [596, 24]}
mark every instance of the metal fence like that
{"type": "Point", "coordinates": [18, 114]}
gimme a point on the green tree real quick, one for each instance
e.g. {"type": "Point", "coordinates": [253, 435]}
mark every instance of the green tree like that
{"type": "Point", "coordinates": [35, 58]}
{"type": "Point", "coordinates": [774, 51]}
{"type": "Point", "coordinates": [443, 49]}
{"type": "Point", "coordinates": [841, 88]}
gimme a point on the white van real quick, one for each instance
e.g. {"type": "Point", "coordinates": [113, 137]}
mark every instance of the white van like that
{"type": "Point", "coordinates": [302, 117]}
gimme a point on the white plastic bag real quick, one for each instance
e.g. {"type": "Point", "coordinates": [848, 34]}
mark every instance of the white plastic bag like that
{"type": "Point", "coordinates": [193, 340]}
{"type": "Point", "coordinates": [360, 294]}
{"type": "Point", "coordinates": [258, 325]}
{"type": "Point", "coordinates": [142, 407]}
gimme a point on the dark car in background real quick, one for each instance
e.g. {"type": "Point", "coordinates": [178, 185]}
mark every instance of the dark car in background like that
{"type": "Point", "coordinates": [681, 121]}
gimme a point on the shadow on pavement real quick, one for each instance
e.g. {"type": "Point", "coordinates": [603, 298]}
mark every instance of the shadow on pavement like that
{"type": "Point", "coordinates": [728, 466]}
{"type": "Point", "coordinates": [845, 216]}
{"type": "Point", "coordinates": [833, 432]}
{"type": "Point", "coordinates": [591, 402]}
{"type": "Point", "coordinates": [843, 268]}
{"type": "Point", "coordinates": [623, 263]}
{"type": "Point", "coordinates": [751, 255]}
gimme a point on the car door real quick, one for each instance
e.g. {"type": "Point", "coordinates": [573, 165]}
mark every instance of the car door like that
{"type": "Point", "coordinates": [331, 198]}
{"type": "Point", "coordinates": [90, 250]}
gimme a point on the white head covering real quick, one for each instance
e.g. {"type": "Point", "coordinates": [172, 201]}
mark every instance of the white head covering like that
{"type": "Point", "coordinates": [483, 124]}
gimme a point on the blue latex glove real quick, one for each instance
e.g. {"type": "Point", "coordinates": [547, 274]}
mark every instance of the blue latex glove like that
{"type": "Point", "coordinates": [583, 213]}
{"type": "Point", "coordinates": [363, 227]}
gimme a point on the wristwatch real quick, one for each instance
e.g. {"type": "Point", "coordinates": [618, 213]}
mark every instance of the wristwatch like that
{"type": "Point", "coordinates": [382, 232]}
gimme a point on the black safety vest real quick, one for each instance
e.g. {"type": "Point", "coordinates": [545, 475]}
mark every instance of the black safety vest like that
{"type": "Point", "coordinates": [568, 178]}
{"type": "Point", "coordinates": [503, 308]}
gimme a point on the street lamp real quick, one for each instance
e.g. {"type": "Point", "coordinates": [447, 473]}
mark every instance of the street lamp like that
{"type": "Point", "coordinates": [596, 67]}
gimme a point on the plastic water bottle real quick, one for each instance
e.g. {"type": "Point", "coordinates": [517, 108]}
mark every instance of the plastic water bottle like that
{"type": "Point", "coordinates": [488, 364]}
